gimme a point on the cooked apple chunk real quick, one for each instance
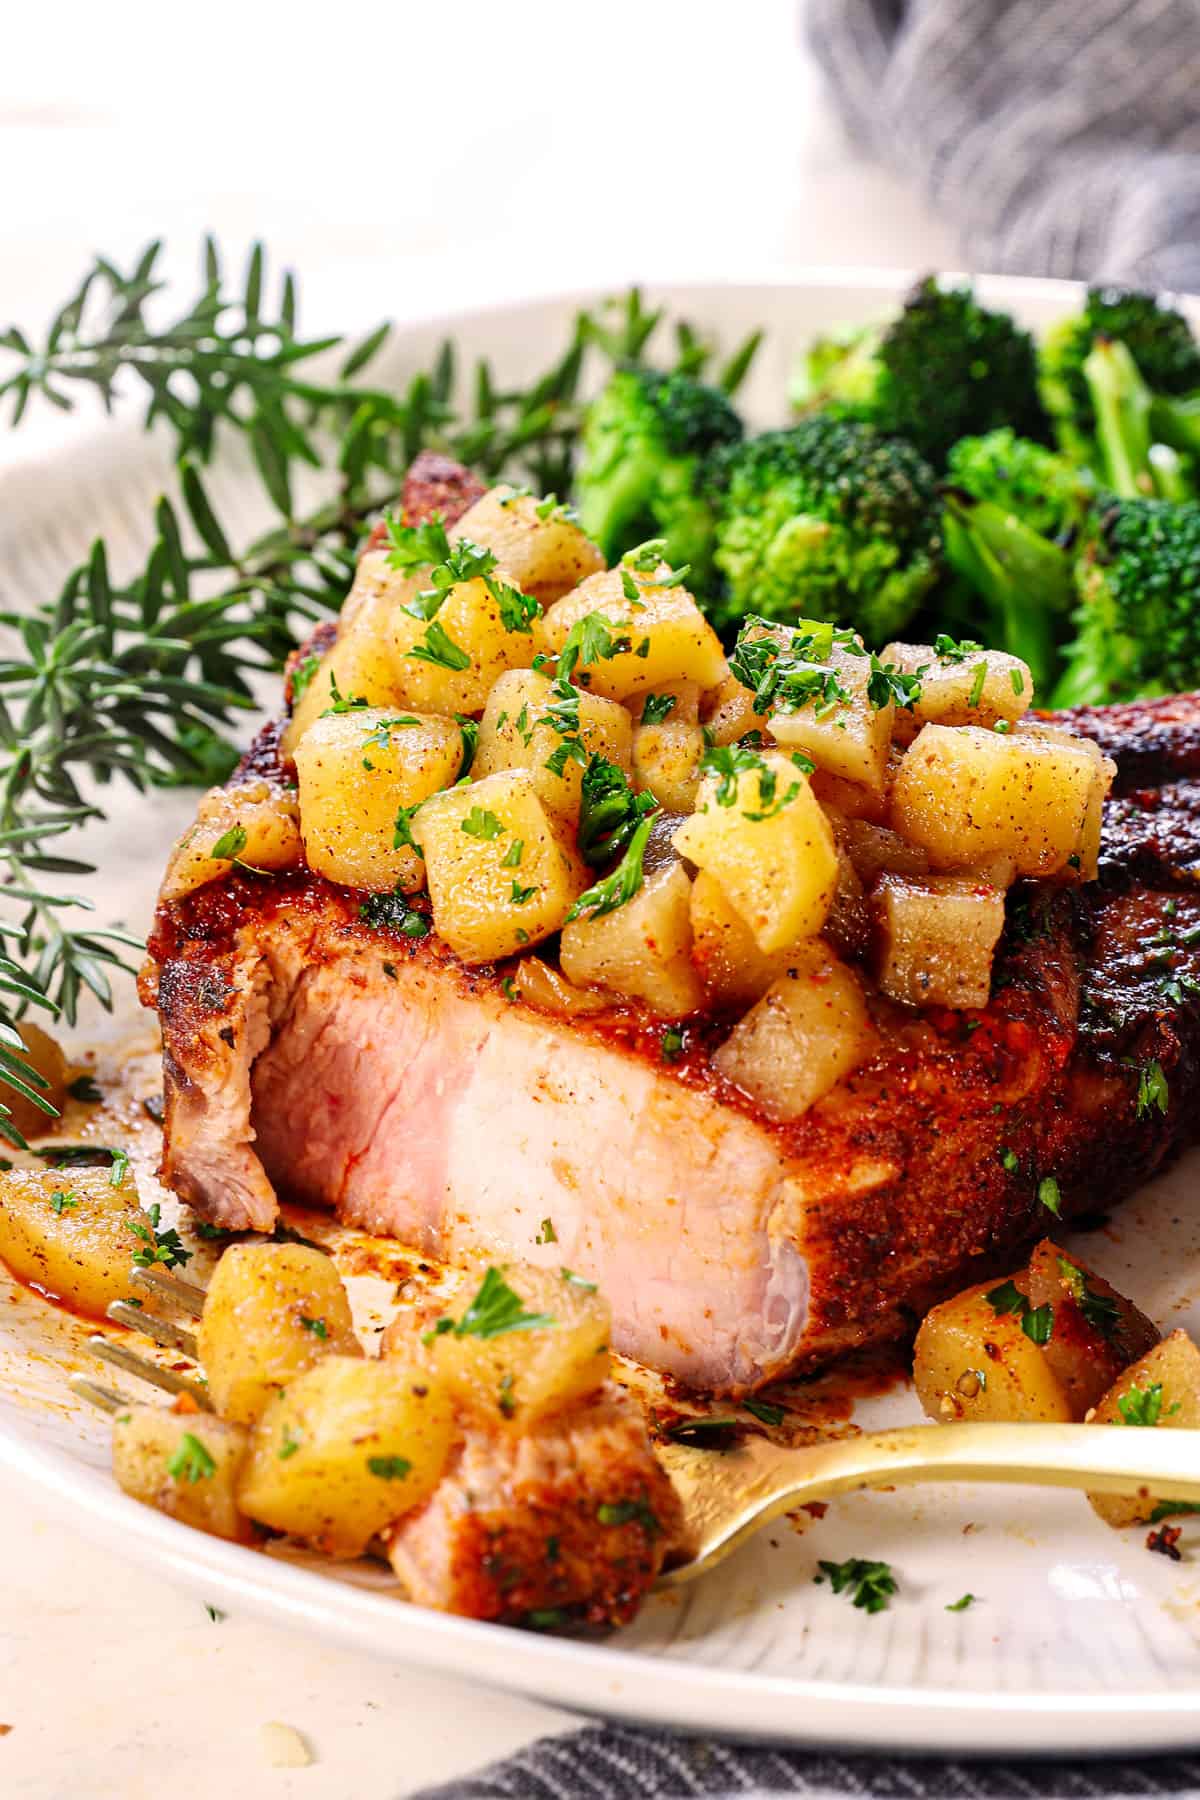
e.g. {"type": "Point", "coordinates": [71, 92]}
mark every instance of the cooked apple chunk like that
{"type": "Point", "coordinates": [728, 712]}
{"type": "Point", "coordinates": [447, 662]}
{"type": "Point", "coordinates": [668, 744]}
{"type": "Point", "coordinates": [975, 1359]}
{"type": "Point", "coordinates": [254, 823]}
{"type": "Point", "coordinates": [642, 948]}
{"type": "Point", "coordinates": [841, 728]}
{"type": "Point", "coordinates": [345, 1449]}
{"type": "Point", "coordinates": [964, 687]}
{"type": "Point", "coordinates": [359, 666]}
{"type": "Point", "coordinates": [539, 542]}
{"type": "Point", "coordinates": [735, 972]}
{"type": "Point", "coordinates": [936, 937]}
{"type": "Point", "coordinates": [184, 1464]}
{"type": "Point", "coordinates": [500, 875]}
{"type": "Point", "coordinates": [759, 830]}
{"type": "Point", "coordinates": [515, 1346]}
{"type": "Point", "coordinates": [271, 1312]}
{"type": "Point", "coordinates": [964, 794]}
{"type": "Point", "coordinates": [551, 729]}
{"type": "Point", "coordinates": [43, 1056]}
{"type": "Point", "coordinates": [1097, 1331]}
{"type": "Point", "coordinates": [808, 1031]}
{"type": "Point", "coordinates": [74, 1232]}
{"type": "Point", "coordinates": [357, 770]}
{"type": "Point", "coordinates": [632, 646]}
{"type": "Point", "coordinates": [1161, 1389]}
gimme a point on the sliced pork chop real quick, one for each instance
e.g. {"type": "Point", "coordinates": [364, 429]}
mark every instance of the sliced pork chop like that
{"type": "Point", "coordinates": [568, 1520]}
{"type": "Point", "coordinates": [309, 1054]}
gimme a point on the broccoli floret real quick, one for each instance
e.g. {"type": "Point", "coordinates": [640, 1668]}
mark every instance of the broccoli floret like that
{"type": "Point", "coordinates": [1129, 419]}
{"type": "Point", "coordinates": [1157, 337]}
{"type": "Point", "coordinates": [1044, 490]}
{"type": "Point", "coordinates": [1138, 623]}
{"type": "Point", "coordinates": [646, 441]}
{"type": "Point", "coordinates": [828, 520]}
{"type": "Point", "coordinates": [1021, 581]}
{"type": "Point", "coordinates": [944, 368]}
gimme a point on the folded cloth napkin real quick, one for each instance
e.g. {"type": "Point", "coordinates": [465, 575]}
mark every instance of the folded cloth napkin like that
{"type": "Point", "coordinates": [612, 1763]}
{"type": "Point", "coordinates": [1058, 137]}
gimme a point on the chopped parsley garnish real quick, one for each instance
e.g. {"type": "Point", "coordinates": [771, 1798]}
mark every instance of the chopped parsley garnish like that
{"type": "Point", "coordinates": [289, 1446]}
{"type": "Point", "coordinates": [703, 1433]}
{"type": "Point", "coordinates": [1143, 1406]}
{"type": "Point", "coordinates": [343, 703]}
{"type": "Point", "coordinates": [120, 1168]}
{"type": "Point", "coordinates": [1018, 681]}
{"type": "Point", "coordinates": [1152, 1089]}
{"type": "Point", "coordinates": [671, 1044]}
{"type": "Point", "coordinates": [616, 889]}
{"type": "Point", "coordinates": [554, 508]}
{"type": "Point", "coordinates": [591, 639]}
{"type": "Point", "coordinates": [495, 1311]}
{"type": "Point", "coordinates": [764, 1411]}
{"type": "Point", "coordinates": [628, 1512]}
{"type": "Point", "coordinates": [729, 762]}
{"type": "Point", "coordinates": [215, 1234]}
{"type": "Point", "coordinates": [948, 649]}
{"type": "Point", "coordinates": [1172, 1509]}
{"type": "Point", "coordinates": [414, 547]}
{"type": "Point", "coordinates": [402, 837]}
{"type": "Point", "coordinates": [318, 1327]}
{"type": "Point", "coordinates": [439, 648]}
{"type": "Point", "coordinates": [470, 738]}
{"type": "Point", "coordinates": [508, 988]}
{"type": "Point", "coordinates": [962, 1605]}
{"type": "Point", "coordinates": [609, 811]}
{"type": "Point", "coordinates": [190, 1461]}
{"type": "Point", "coordinates": [389, 1468]}
{"type": "Point", "coordinates": [786, 677]}
{"type": "Point", "coordinates": [586, 1287]}
{"type": "Point", "coordinates": [480, 823]}
{"type": "Point", "coordinates": [657, 707]}
{"type": "Point", "coordinates": [302, 676]}
{"type": "Point", "coordinates": [165, 1247]}
{"type": "Point", "coordinates": [519, 895]}
{"type": "Point", "coordinates": [391, 912]}
{"type": "Point", "coordinates": [976, 693]}
{"type": "Point", "coordinates": [61, 1202]}
{"type": "Point", "coordinates": [1050, 1195]}
{"type": "Point", "coordinates": [546, 1233]}
{"type": "Point", "coordinates": [379, 736]}
{"type": "Point", "coordinates": [229, 845]}
{"type": "Point", "coordinates": [889, 684]}
{"type": "Point", "coordinates": [870, 1584]}
{"type": "Point", "coordinates": [1010, 1160]}
{"type": "Point", "coordinates": [512, 856]}
{"type": "Point", "coordinates": [1037, 1322]}
{"type": "Point", "coordinates": [1100, 1310]}
{"type": "Point", "coordinates": [84, 1088]}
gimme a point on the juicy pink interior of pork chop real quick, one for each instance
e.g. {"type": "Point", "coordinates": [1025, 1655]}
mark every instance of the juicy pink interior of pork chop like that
{"type": "Point", "coordinates": [458, 1123]}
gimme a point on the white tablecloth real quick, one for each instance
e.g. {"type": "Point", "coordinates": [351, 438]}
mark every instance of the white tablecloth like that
{"type": "Point", "coordinates": [498, 148]}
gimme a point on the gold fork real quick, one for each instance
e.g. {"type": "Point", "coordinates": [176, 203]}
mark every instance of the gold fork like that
{"type": "Point", "coordinates": [729, 1495]}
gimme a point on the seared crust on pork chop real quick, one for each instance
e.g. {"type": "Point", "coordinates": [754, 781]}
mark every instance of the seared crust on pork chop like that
{"type": "Point", "coordinates": [310, 1053]}
{"type": "Point", "coordinates": [568, 1520]}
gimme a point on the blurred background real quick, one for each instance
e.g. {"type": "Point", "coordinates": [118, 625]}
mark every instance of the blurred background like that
{"type": "Point", "coordinates": [407, 157]}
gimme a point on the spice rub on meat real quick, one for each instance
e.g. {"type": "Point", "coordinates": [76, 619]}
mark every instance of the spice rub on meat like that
{"type": "Point", "coordinates": [317, 1048]}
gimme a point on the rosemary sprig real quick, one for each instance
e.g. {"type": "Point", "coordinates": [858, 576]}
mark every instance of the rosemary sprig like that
{"type": "Point", "coordinates": [140, 679]}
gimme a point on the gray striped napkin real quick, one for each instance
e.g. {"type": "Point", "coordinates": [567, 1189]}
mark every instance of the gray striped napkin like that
{"type": "Point", "coordinates": [1060, 137]}
{"type": "Point", "coordinates": [609, 1762]}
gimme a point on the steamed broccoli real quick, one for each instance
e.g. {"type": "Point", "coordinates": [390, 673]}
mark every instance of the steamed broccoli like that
{"type": "Point", "coordinates": [828, 520]}
{"type": "Point", "coordinates": [1138, 624]}
{"type": "Point", "coordinates": [1020, 581]}
{"type": "Point", "coordinates": [1157, 337]}
{"type": "Point", "coordinates": [943, 368]}
{"type": "Point", "coordinates": [1044, 490]}
{"type": "Point", "coordinates": [1129, 420]}
{"type": "Point", "coordinates": [646, 441]}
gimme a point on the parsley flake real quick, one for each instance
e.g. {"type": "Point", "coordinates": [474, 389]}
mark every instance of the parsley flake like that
{"type": "Point", "coordinates": [389, 1468]}
{"type": "Point", "coordinates": [494, 1312]}
{"type": "Point", "coordinates": [190, 1461]}
{"type": "Point", "coordinates": [869, 1584]}
{"type": "Point", "coordinates": [1152, 1090]}
{"type": "Point", "coordinates": [229, 845]}
{"type": "Point", "coordinates": [480, 823]}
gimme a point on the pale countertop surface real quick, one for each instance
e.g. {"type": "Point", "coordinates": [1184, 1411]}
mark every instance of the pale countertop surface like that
{"type": "Point", "coordinates": [564, 156]}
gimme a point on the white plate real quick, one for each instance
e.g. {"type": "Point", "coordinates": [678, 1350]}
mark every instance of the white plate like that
{"type": "Point", "coordinates": [1079, 1641]}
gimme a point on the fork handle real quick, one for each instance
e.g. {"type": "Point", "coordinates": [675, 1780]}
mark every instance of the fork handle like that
{"type": "Point", "coordinates": [1106, 1459]}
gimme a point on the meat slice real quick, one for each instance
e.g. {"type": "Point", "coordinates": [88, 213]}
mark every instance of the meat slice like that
{"type": "Point", "coordinates": [568, 1521]}
{"type": "Point", "coordinates": [434, 484]}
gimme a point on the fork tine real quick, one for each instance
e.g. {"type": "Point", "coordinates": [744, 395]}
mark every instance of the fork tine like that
{"type": "Point", "coordinates": [185, 1294]}
{"type": "Point", "coordinates": [96, 1394]}
{"type": "Point", "coordinates": [163, 1331]}
{"type": "Point", "coordinates": [123, 1358]}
